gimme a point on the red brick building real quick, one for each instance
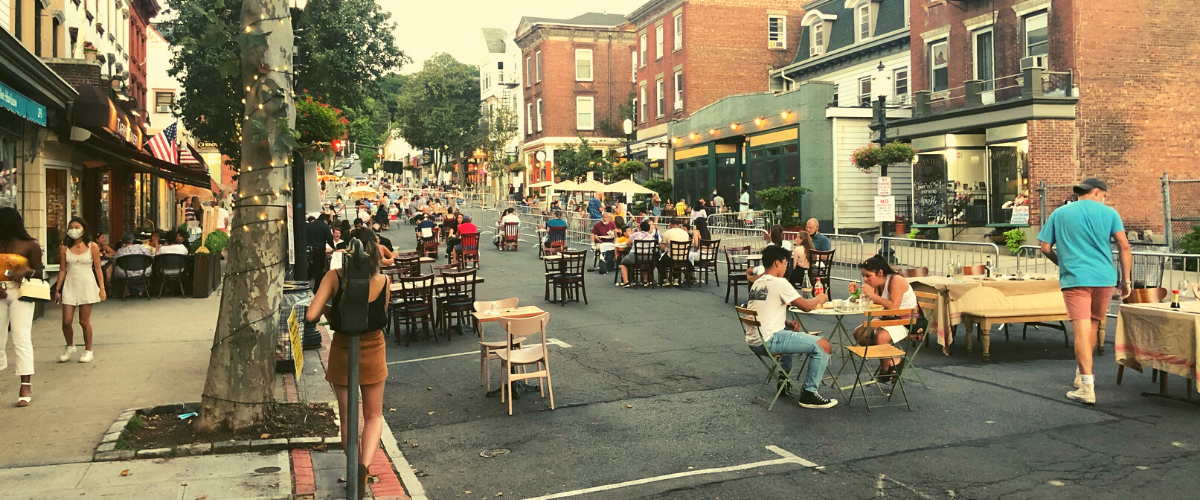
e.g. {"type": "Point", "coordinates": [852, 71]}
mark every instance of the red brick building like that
{"type": "Point", "coordinates": [692, 53]}
{"type": "Point", "coordinates": [575, 74]}
{"type": "Point", "coordinates": [1012, 94]}
{"type": "Point", "coordinates": [140, 13]}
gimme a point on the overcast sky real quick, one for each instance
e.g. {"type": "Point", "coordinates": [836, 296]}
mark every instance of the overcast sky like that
{"type": "Point", "coordinates": [426, 27]}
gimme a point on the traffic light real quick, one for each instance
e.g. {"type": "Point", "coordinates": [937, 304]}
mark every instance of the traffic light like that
{"type": "Point", "coordinates": [336, 144]}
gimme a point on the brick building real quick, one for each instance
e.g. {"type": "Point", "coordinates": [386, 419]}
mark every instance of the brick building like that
{"type": "Point", "coordinates": [692, 53]}
{"type": "Point", "coordinates": [576, 73]}
{"type": "Point", "coordinates": [1012, 94]}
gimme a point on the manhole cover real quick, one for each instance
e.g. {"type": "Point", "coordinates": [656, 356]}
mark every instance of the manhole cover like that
{"type": "Point", "coordinates": [266, 470]}
{"type": "Point", "coordinates": [493, 453]}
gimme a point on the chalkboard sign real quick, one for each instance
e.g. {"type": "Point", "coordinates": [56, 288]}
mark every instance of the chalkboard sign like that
{"type": "Point", "coordinates": [929, 189]}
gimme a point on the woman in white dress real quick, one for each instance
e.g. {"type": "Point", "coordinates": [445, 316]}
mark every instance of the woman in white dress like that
{"type": "Point", "coordinates": [80, 284]}
{"type": "Point", "coordinates": [885, 287]}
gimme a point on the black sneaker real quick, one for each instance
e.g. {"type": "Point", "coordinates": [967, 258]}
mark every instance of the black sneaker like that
{"type": "Point", "coordinates": [812, 400]}
{"type": "Point", "coordinates": [628, 285]}
{"type": "Point", "coordinates": [784, 386]}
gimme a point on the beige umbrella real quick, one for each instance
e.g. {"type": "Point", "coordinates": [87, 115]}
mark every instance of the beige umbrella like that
{"type": "Point", "coordinates": [593, 186]}
{"type": "Point", "coordinates": [542, 184]}
{"type": "Point", "coordinates": [363, 192]}
{"type": "Point", "coordinates": [185, 192]}
{"type": "Point", "coordinates": [627, 186]}
{"type": "Point", "coordinates": [566, 185]}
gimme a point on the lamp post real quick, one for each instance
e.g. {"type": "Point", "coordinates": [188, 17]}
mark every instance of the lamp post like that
{"type": "Point", "coordinates": [628, 126]}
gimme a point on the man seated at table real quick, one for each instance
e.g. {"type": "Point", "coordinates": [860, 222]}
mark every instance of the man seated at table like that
{"type": "Point", "coordinates": [770, 296]}
{"type": "Point", "coordinates": [603, 233]}
{"type": "Point", "coordinates": [176, 243]}
{"type": "Point", "coordinates": [672, 234]}
{"type": "Point", "coordinates": [557, 221]}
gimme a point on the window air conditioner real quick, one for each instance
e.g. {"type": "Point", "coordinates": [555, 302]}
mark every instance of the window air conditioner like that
{"type": "Point", "coordinates": [163, 108]}
{"type": "Point", "coordinates": [678, 105]}
{"type": "Point", "coordinates": [775, 44]}
{"type": "Point", "coordinates": [1033, 62]}
{"type": "Point", "coordinates": [815, 51]}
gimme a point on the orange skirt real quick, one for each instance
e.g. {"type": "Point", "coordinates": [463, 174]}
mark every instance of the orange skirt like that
{"type": "Point", "coordinates": [372, 359]}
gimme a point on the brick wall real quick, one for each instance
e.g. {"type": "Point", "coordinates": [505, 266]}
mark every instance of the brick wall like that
{"type": "Point", "coordinates": [76, 71]}
{"type": "Point", "coordinates": [1052, 158]}
{"type": "Point", "coordinates": [610, 86]}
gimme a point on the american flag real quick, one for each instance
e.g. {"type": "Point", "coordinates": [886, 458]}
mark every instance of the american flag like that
{"type": "Point", "coordinates": [185, 155]}
{"type": "Point", "coordinates": [162, 146]}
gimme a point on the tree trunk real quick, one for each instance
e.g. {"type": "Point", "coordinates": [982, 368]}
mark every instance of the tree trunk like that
{"type": "Point", "coordinates": [241, 374]}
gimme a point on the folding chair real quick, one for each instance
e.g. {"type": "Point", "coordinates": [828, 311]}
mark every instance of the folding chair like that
{"type": "Point", "coordinates": [919, 335]}
{"type": "Point", "coordinates": [859, 355]}
{"type": "Point", "coordinates": [526, 356]}
{"type": "Point", "coordinates": [749, 319]}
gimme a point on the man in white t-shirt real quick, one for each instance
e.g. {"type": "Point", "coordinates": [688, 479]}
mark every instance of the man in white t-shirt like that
{"type": "Point", "coordinates": [673, 234]}
{"type": "Point", "coordinates": [770, 296]}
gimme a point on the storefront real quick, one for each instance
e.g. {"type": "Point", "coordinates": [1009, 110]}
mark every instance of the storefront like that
{"type": "Point", "coordinates": [971, 180]}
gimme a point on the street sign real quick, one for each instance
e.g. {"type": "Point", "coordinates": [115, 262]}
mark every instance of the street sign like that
{"type": "Point", "coordinates": [885, 209]}
{"type": "Point", "coordinates": [883, 186]}
{"type": "Point", "coordinates": [1020, 215]}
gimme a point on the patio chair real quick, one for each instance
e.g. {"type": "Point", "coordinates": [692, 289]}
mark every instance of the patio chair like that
{"type": "Point", "coordinates": [570, 281]}
{"type": "Point", "coordinates": [171, 269]}
{"type": "Point", "coordinates": [412, 304]}
{"type": "Point", "coordinates": [820, 266]}
{"type": "Point", "coordinates": [469, 252]}
{"type": "Point", "coordinates": [707, 263]}
{"type": "Point", "coordinates": [137, 269]}
{"type": "Point", "coordinates": [645, 255]}
{"type": "Point", "coordinates": [409, 267]}
{"type": "Point", "coordinates": [679, 266]}
{"type": "Point", "coordinates": [510, 236]}
{"type": "Point", "coordinates": [487, 349]}
{"type": "Point", "coordinates": [456, 300]}
{"type": "Point", "coordinates": [735, 271]}
{"type": "Point", "coordinates": [859, 355]}
{"type": "Point", "coordinates": [556, 242]}
{"type": "Point", "coordinates": [916, 272]}
{"type": "Point", "coordinates": [537, 357]}
{"type": "Point", "coordinates": [751, 327]}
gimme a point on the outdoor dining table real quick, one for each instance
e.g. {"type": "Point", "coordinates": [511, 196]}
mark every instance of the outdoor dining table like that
{"type": "Point", "coordinates": [839, 335]}
{"type": "Point", "coordinates": [977, 295]}
{"type": "Point", "coordinates": [438, 282]}
{"type": "Point", "coordinates": [1157, 337]}
{"type": "Point", "coordinates": [482, 317]}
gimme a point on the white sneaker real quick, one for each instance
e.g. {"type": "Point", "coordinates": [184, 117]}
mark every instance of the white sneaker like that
{"type": "Point", "coordinates": [1085, 394]}
{"type": "Point", "coordinates": [1078, 379]}
{"type": "Point", "coordinates": [66, 355]}
{"type": "Point", "coordinates": [86, 358]}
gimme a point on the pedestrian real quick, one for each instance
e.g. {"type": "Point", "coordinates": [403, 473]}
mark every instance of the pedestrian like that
{"type": "Point", "coordinates": [20, 258]}
{"type": "Point", "coordinates": [656, 207]}
{"type": "Point", "coordinates": [718, 203]}
{"type": "Point", "coordinates": [82, 287]}
{"type": "Point", "coordinates": [373, 370]}
{"type": "Point", "coordinates": [1076, 238]}
{"type": "Point", "coordinates": [593, 207]}
{"type": "Point", "coordinates": [744, 201]}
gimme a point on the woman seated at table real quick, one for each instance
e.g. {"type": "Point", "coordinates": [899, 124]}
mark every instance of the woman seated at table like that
{"type": "Point", "coordinates": [453, 238]}
{"type": "Point", "coordinates": [645, 232]}
{"type": "Point", "coordinates": [154, 242]}
{"type": "Point", "coordinates": [883, 286]}
{"type": "Point", "coordinates": [802, 248]}
{"type": "Point", "coordinates": [701, 233]}
{"type": "Point", "coordinates": [177, 244]}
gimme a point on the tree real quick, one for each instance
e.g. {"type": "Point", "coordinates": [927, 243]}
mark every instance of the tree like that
{"type": "Point", "coordinates": [347, 46]}
{"type": "Point", "coordinates": [628, 169]}
{"type": "Point", "coordinates": [438, 108]}
{"type": "Point", "coordinates": [576, 161]}
{"type": "Point", "coordinates": [202, 38]}
{"type": "Point", "coordinates": [785, 199]}
{"type": "Point", "coordinates": [502, 129]}
{"type": "Point", "coordinates": [241, 366]}
{"type": "Point", "coordinates": [661, 186]}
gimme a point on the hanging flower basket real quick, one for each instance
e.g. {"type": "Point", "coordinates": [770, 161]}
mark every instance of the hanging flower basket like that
{"type": "Point", "coordinates": [516, 168]}
{"type": "Point", "coordinates": [870, 156]}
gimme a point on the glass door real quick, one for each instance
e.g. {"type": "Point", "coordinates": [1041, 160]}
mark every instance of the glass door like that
{"type": "Point", "coordinates": [58, 210]}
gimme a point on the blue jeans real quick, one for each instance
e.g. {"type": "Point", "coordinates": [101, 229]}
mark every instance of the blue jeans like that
{"type": "Point", "coordinates": [789, 342]}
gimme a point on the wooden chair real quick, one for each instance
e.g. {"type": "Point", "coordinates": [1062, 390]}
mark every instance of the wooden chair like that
{"type": "Point", "coordinates": [413, 305]}
{"type": "Point", "coordinates": [861, 354]}
{"type": "Point", "coordinates": [1140, 296]}
{"type": "Point", "coordinates": [469, 252]}
{"type": "Point", "coordinates": [556, 241]}
{"type": "Point", "coordinates": [511, 236]}
{"type": "Point", "coordinates": [487, 349]}
{"type": "Point", "coordinates": [644, 259]}
{"type": "Point", "coordinates": [409, 266]}
{"type": "Point", "coordinates": [749, 321]}
{"type": "Point", "coordinates": [456, 300]}
{"type": "Point", "coordinates": [916, 272]}
{"type": "Point", "coordinates": [707, 262]}
{"type": "Point", "coordinates": [735, 271]}
{"type": "Point", "coordinates": [975, 270]}
{"type": "Point", "coordinates": [538, 357]}
{"type": "Point", "coordinates": [570, 279]}
{"type": "Point", "coordinates": [820, 267]}
{"type": "Point", "coordinates": [678, 251]}
{"type": "Point", "coordinates": [552, 265]}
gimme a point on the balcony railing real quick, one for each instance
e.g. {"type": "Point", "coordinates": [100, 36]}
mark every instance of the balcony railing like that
{"type": "Point", "coordinates": [1033, 83]}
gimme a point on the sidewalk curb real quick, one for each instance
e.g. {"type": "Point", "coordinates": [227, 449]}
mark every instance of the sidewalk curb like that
{"type": "Point", "coordinates": [407, 478]}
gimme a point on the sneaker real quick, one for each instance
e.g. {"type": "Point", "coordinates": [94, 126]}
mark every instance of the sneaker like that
{"type": "Point", "coordinates": [1078, 379]}
{"type": "Point", "coordinates": [628, 285]}
{"type": "Point", "coordinates": [674, 282]}
{"type": "Point", "coordinates": [66, 354]}
{"type": "Point", "coordinates": [1085, 394]}
{"type": "Point", "coordinates": [781, 384]}
{"type": "Point", "coordinates": [86, 358]}
{"type": "Point", "coordinates": [812, 400]}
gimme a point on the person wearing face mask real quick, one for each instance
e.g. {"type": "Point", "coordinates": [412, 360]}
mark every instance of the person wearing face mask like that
{"type": "Point", "coordinates": [81, 286]}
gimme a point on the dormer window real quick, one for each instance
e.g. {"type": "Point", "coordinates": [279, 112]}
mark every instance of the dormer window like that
{"type": "Point", "coordinates": [818, 31]}
{"type": "Point", "coordinates": [818, 39]}
{"type": "Point", "coordinates": [864, 21]}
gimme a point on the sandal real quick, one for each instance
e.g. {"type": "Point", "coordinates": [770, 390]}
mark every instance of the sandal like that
{"type": "Point", "coordinates": [887, 377]}
{"type": "Point", "coordinates": [24, 401]}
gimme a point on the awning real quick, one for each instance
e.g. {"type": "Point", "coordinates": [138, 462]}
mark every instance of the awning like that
{"type": "Point", "coordinates": [93, 109]}
{"type": "Point", "coordinates": [114, 153]}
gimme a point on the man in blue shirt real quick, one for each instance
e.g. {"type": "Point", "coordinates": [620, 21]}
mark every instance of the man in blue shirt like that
{"type": "Point", "coordinates": [1076, 238]}
{"type": "Point", "coordinates": [820, 242]}
{"type": "Point", "coordinates": [594, 208]}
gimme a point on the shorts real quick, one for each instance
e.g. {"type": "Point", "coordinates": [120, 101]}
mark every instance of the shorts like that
{"type": "Point", "coordinates": [1087, 302]}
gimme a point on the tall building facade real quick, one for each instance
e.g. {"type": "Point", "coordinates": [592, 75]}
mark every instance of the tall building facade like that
{"type": "Point", "coordinates": [500, 87]}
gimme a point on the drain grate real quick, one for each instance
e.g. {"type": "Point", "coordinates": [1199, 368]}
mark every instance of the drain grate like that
{"type": "Point", "coordinates": [493, 453]}
{"type": "Point", "coordinates": [266, 470]}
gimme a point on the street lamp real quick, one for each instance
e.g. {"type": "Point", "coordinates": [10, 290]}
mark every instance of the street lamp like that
{"type": "Point", "coordinates": [628, 126]}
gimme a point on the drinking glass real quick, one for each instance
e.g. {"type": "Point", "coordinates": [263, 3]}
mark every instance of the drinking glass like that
{"type": "Point", "coordinates": [1184, 288]}
{"type": "Point", "coordinates": [495, 308]}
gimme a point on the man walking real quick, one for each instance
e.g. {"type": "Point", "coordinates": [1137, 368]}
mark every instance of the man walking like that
{"type": "Point", "coordinates": [1081, 232]}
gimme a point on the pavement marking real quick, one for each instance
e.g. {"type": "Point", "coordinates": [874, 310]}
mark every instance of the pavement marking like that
{"type": "Point", "coordinates": [551, 341]}
{"type": "Point", "coordinates": [788, 458]}
{"type": "Point", "coordinates": [879, 485]}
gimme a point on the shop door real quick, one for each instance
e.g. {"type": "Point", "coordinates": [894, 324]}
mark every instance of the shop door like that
{"type": "Point", "coordinates": [727, 180]}
{"type": "Point", "coordinates": [63, 201]}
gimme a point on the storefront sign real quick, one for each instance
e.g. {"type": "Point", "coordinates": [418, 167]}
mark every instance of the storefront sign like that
{"type": "Point", "coordinates": [22, 106]}
{"type": "Point", "coordinates": [1020, 215]}
{"type": "Point", "coordinates": [656, 153]}
{"type": "Point", "coordinates": [885, 209]}
{"type": "Point", "coordinates": [883, 186]}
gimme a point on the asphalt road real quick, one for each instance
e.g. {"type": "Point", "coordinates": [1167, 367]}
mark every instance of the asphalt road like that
{"type": "Point", "coordinates": [659, 382]}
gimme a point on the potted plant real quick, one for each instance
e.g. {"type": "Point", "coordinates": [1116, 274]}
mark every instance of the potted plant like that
{"type": "Point", "coordinates": [871, 155]}
{"type": "Point", "coordinates": [786, 201]}
{"type": "Point", "coordinates": [901, 225]}
{"type": "Point", "coordinates": [1013, 240]}
{"type": "Point", "coordinates": [89, 51]}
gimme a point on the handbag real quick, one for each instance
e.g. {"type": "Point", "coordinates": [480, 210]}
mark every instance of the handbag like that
{"type": "Point", "coordinates": [34, 289]}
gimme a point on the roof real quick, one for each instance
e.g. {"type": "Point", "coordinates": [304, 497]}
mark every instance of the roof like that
{"type": "Point", "coordinates": [890, 18]}
{"type": "Point", "coordinates": [591, 19]}
{"type": "Point", "coordinates": [494, 38]}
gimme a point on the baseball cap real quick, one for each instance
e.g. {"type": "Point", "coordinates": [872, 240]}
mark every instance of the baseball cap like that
{"type": "Point", "coordinates": [1092, 183]}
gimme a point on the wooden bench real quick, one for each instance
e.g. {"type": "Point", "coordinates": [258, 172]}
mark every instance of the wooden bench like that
{"type": "Point", "coordinates": [985, 320]}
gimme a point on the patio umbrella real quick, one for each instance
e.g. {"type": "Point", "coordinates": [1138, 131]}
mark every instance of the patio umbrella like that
{"type": "Point", "coordinates": [594, 186]}
{"type": "Point", "coordinates": [328, 178]}
{"type": "Point", "coordinates": [542, 184]}
{"type": "Point", "coordinates": [185, 192]}
{"type": "Point", "coordinates": [362, 192]}
{"type": "Point", "coordinates": [627, 186]}
{"type": "Point", "coordinates": [567, 185]}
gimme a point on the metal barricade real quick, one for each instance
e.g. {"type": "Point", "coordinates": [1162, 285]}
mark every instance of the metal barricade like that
{"type": "Point", "coordinates": [848, 252]}
{"type": "Point", "coordinates": [936, 254]}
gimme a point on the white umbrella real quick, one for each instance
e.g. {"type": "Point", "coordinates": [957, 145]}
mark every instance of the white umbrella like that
{"type": "Point", "coordinates": [594, 186]}
{"type": "Point", "coordinates": [566, 185]}
{"type": "Point", "coordinates": [627, 186]}
{"type": "Point", "coordinates": [542, 184]}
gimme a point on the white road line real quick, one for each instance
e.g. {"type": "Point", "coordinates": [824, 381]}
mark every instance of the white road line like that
{"type": "Point", "coordinates": [788, 458]}
{"type": "Point", "coordinates": [548, 341]}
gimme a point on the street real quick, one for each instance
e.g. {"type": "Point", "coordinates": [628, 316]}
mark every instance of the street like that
{"type": "Point", "coordinates": [653, 383]}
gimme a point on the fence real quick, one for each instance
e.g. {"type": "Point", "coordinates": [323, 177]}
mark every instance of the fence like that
{"type": "Point", "coordinates": [936, 255]}
{"type": "Point", "coordinates": [1181, 208]}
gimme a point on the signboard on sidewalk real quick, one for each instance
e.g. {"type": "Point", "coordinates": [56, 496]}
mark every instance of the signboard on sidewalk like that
{"type": "Point", "coordinates": [883, 186]}
{"type": "Point", "coordinates": [885, 209]}
{"type": "Point", "coordinates": [1020, 215]}
{"type": "Point", "coordinates": [297, 342]}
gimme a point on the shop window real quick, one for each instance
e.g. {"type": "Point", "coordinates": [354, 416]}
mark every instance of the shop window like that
{"type": "Point", "coordinates": [790, 148]}
{"type": "Point", "coordinates": [773, 151]}
{"type": "Point", "coordinates": [1008, 181]}
{"type": "Point", "coordinates": [756, 154]}
{"type": "Point", "coordinates": [929, 189]}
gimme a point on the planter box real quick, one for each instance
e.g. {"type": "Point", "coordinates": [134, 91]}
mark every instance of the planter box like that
{"type": "Point", "coordinates": [206, 274]}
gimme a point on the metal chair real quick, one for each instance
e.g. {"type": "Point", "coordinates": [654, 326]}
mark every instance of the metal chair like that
{"type": "Point", "coordinates": [707, 263]}
{"type": "Point", "coordinates": [171, 268]}
{"type": "Point", "coordinates": [749, 320]}
{"type": "Point", "coordinates": [137, 269]}
{"type": "Point", "coordinates": [735, 271]}
{"type": "Point", "coordinates": [861, 354]}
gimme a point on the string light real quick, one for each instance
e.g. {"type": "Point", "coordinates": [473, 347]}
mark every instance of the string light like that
{"type": "Point", "coordinates": [734, 126]}
{"type": "Point", "coordinates": [758, 121]}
